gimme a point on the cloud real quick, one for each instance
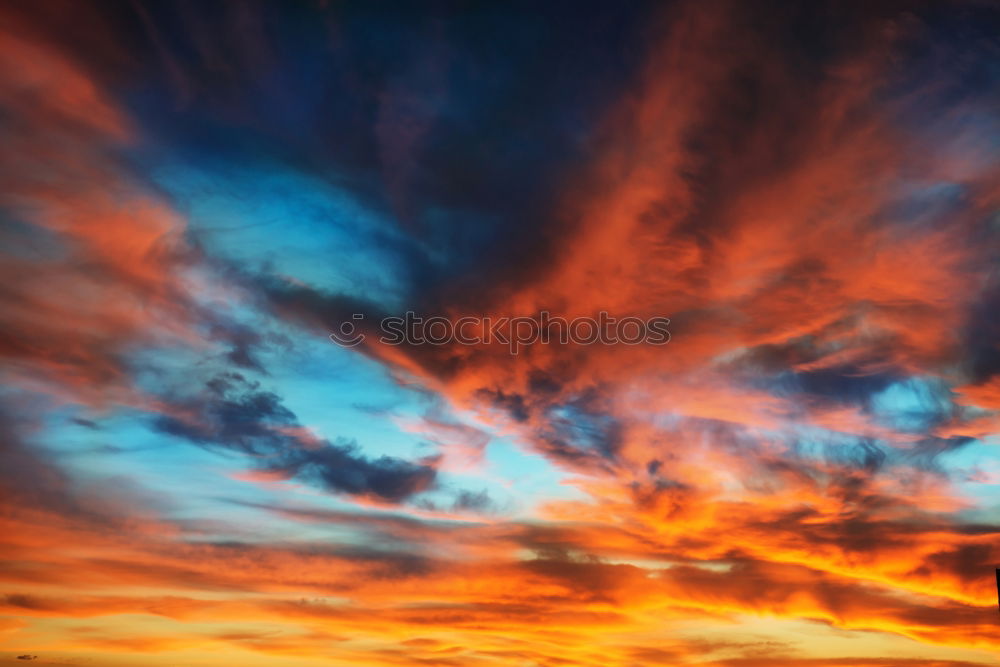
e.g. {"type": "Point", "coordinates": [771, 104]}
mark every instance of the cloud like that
{"type": "Point", "coordinates": [808, 192]}
{"type": "Point", "coordinates": [232, 412]}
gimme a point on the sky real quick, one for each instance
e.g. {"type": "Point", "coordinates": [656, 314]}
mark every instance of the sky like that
{"type": "Point", "coordinates": [195, 195]}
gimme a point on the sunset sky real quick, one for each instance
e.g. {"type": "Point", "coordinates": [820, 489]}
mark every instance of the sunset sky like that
{"type": "Point", "coordinates": [195, 194]}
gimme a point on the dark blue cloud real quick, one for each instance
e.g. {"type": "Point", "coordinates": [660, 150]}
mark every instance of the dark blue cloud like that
{"type": "Point", "coordinates": [233, 413]}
